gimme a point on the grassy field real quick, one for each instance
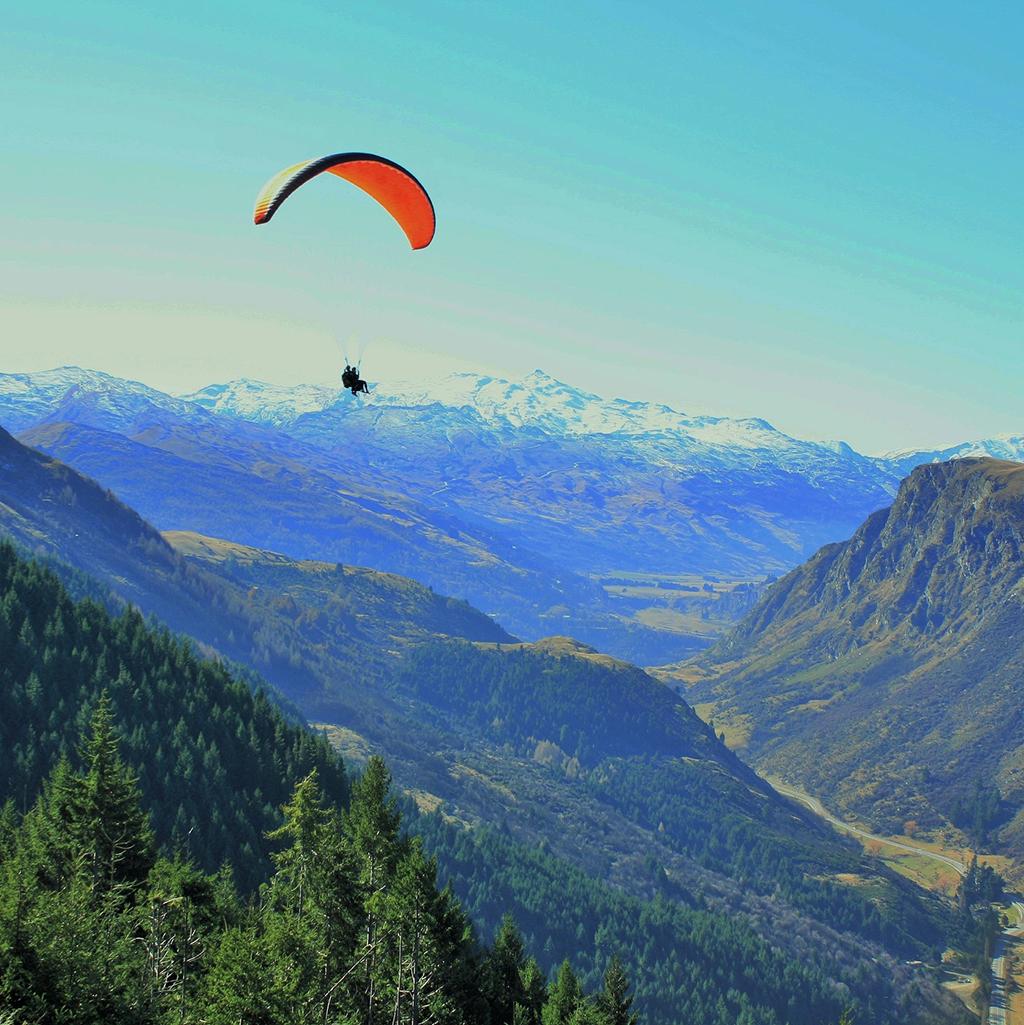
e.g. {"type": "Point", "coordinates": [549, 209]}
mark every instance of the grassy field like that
{"type": "Point", "coordinates": [924, 871]}
{"type": "Point", "coordinates": [735, 730]}
{"type": "Point", "coordinates": [687, 604]}
{"type": "Point", "coordinates": [673, 621]}
{"type": "Point", "coordinates": [966, 988]}
{"type": "Point", "coordinates": [351, 746]}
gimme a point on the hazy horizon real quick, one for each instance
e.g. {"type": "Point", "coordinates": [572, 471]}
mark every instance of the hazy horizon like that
{"type": "Point", "coordinates": [402, 384]}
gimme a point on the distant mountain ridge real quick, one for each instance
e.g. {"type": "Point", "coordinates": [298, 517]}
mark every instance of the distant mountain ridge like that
{"type": "Point", "coordinates": [29, 399]}
{"type": "Point", "coordinates": [526, 498]}
{"type": "Point", "coordinates": [884, 673]}
{"type": "Point", "coordinates": [537, 404]}
{"type": "Point", "coordinates": [1006, 446]}
{"type": "Point", "coordinates": [537, 401]}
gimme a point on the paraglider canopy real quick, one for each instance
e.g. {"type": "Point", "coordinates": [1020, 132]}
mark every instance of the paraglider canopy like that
{"type": "Point", "coordinates": [395, 188]}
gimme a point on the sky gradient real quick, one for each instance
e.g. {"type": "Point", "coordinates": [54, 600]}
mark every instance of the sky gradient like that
{"type": "Point", "coordinates": [812, 216]}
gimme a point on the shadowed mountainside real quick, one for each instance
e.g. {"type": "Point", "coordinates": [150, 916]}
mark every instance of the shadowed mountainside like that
{"type": "Point", "coordinates": [337, 623]}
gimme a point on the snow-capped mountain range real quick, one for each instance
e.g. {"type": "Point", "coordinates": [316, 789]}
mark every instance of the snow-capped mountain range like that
{"type": "Point", "coordinates": [1006, 446]}
{"type": "Point", "coordinates": [538, 402]}
{"type": "Point", "coordinates": [517, 495]}
{"type": "Point", "coordinates": [541, 402]}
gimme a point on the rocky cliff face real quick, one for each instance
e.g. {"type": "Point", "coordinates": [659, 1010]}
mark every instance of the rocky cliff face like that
{"type": "Point", "coordinates": [886, 672]}
{"type": "Point", "coordinates": [933, 564]}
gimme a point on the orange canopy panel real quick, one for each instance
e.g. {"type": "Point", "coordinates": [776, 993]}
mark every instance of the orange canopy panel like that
{"type": "Point", "coordinates": [392, 186]}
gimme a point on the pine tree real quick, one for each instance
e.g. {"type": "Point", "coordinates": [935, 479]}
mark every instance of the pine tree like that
{"type": "Point", "coordinates": [371, 827]}
{"type": "Point", "coordinates": [306, 830]}
{"type": "Point", "coordinates": [19, 892]}
{"type": "Point", "coordinates": [564, 997]}
{"type": "Point", "coordinates": [183, 911]}
{"type": "Point", "coordinates": [68, 954]}
{"type": "Point", "coordinates": [8, 829]}
{"type": "Point", "coordinates": [105, 819]}
{"type": "Point", "coordinates": [239, 984]}
{"type": "Point", "coordinates": [535, 993]}
{"type": "Point", "coordinates": [503, 973]}
{"type": "Point", "coordinates": [372, 823]}
{"type": "Point", "coordinates": [47, 828]}
{"type": "Point", "coordinates": [413, 970]}
{"type": "Point", "coordinates": [615, 1000]}
{"type": "Point", "coordinates": [315, 884]}
{"type": "Point", "coordinates": [454, 937]}
{"type": "Point", "coordinates": [586, 1013]}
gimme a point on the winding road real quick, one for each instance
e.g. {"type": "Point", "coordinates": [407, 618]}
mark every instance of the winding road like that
{"type": "Point", "coordinates": [819, 809]}
{"type": "Point", "coordinates": [999, 1003]}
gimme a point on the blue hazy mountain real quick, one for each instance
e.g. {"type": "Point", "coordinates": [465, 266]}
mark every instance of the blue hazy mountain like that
{"type": "Point", "coordinates": [533, 500]}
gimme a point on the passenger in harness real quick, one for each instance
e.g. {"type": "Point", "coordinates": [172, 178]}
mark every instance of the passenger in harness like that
{"type": "Point", "coordinates": [350, 379]}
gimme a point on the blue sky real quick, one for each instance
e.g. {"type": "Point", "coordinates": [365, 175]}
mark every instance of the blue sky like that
{"type": "Point", "coordinates": [806, 212]}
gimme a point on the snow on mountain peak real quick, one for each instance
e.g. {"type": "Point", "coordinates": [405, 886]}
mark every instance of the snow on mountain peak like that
{"type": "Point", "coordinates": [536, 403]}
{"type": "Point", "coordinates": [55, 381]}
{"type": "Point", "coordinates": [261, 402]}
{"type": "Point", "coordinates": [28, 398]}
{"type": "Point", "coordinates": [1002, 446]}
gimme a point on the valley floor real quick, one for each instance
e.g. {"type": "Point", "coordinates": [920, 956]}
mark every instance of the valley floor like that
{"type": "Point", "coordinates": [1006, 1006]}
{"type": "Point", "coordinates": [932, 864]}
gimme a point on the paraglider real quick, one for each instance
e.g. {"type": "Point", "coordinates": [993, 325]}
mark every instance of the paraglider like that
{"type": "Point", "coordinates": [395, 188]}
{"type": "Point", "coordinates": [350, 379]}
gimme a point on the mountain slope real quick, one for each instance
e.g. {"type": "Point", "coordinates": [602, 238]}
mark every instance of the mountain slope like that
{"type": "Point", "coordinates": [338, 626]}
{"type": "Point", "coordinates": [368, 608]}
{"type": "Point", "coordinates": [884, 673]}
{"type": "Point", "coordinates": [215, 760]}
{"type": "Point", "coordinates": [215, 763]}
{"type": "Point", "coordinates": [525, 737]}
{"type": "Point", "coordinates": [225, 764]}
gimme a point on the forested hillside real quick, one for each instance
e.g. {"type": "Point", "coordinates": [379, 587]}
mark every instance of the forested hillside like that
{"type": "Point", "coordinates": [235, 760]}
{"type": "Point", "coordinates": [675, 947]}
{"type": "Point", "coordinates": [306, 627]}
{"type": "Point", "coordinates": [215, 761]}
{"type": "Point", "coordinates": [628, 750]}
{"type": "Point", "coordinates": [96, 926]}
